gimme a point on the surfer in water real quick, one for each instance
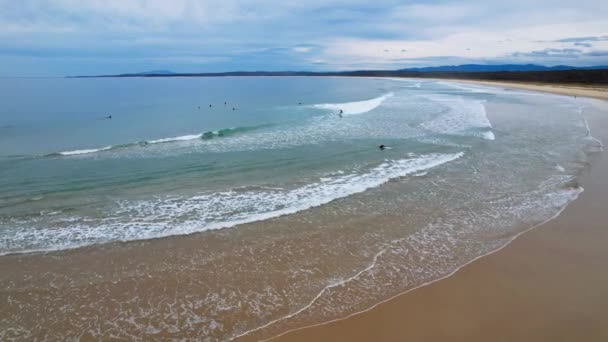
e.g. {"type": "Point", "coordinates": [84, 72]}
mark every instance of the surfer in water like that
{"type": "Point", "coordinates": [109, 117]}
{"type": "Point", "coordinates": [382, 147]}
{"type": "Point", "coordinates": [340, 113]}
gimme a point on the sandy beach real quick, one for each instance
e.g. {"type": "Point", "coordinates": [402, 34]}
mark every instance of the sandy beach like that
{"type": "Point", "coordinates": [275, 277]}
{"type": "Point", "coordinates": [591, 91]}
{"type": "Point", "coordinates": [549, 284]}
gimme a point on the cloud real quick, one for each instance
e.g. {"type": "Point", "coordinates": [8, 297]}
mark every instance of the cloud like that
{"type": "Point", "coordinates": [598, 53]}
{"type": "Point", "coordinates": [583, 39]}
{"type": "Point", "coordinates": [301, 49]}
{"type": "Point", "coordinates": [105, 36]}
{"type": "Point", "coordinates": [552, 53]}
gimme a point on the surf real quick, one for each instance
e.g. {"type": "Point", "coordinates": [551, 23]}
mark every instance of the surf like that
{"type": "Point", "coordinates": [356, 107]}
{"type": "Point", "coordinates": [155, 218]}
{"type": "Point", "coordinates": [224, 132]}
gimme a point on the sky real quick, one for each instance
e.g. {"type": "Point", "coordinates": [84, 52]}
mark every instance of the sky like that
{"type": "Point", "coordinates": [93, 37]}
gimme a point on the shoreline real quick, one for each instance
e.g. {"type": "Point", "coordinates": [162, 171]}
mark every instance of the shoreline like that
{"type": "Point", "coordinates": [119, 280]}
{"type": "Point", "coordinates": [589, 91]}
{"type": "Point", "coordinates": [372, 322]}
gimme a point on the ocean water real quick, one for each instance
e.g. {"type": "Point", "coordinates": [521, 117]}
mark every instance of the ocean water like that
{"type": "Point", "coordinates": [185, 155]}
{"type": "Point", "coordinates": [466, 169]}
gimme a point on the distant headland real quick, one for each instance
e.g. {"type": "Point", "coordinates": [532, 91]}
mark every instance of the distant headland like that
{"type": "Point", "coordinates": [501, 72]}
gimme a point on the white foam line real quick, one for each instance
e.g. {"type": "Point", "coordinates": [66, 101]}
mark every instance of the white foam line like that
{"type": "Point", "coordinates": [473, 89]}
{"type": "Point", "coordinates": [384, 173]}
{"type": "Point", "coordinates": [372, 265]}
{"type": "Point", "coordinates": [180, 138]}
{"type": "Point", "coordinates": [355, 107]}
{"type": "Point", "coordinates": [580, 111]}
{"type": "Point", "coordinates": [77, 152]}
{"type": "Point", "coordinates": [580, 190]}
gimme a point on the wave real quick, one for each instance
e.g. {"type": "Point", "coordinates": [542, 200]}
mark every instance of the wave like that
{"type": "Point", "coordinates": [87, 151]}
{"type": "Point", "coordinates": [174, 139]}
{"type": "Point", "coordinates": [356, 107]}
{"type": "Point", "coordinates": [201, 136]}
{"type": "Point", "coordinates": [461, 117]}
{"type": "Point", "coordinates": [167, 216]}
{"type": "Point", "coordinates": [471, 88]}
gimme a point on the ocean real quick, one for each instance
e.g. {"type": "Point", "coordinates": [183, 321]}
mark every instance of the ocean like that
{"type": "Point", "coordinates": [265, 202]}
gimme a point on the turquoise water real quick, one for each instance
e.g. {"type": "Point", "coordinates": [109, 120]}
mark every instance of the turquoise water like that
{"type": "Point", "coordinates": [321, 223]}
{"type": "Point", "coordinates": [182, 155]}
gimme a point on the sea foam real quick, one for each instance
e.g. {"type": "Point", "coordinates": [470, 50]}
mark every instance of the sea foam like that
{"type": "Point", "coordinates": [86, 151]}
{"type": "Point", "coordinates": [166, 216]}
{"type": "Point", "coordinates": [182, 138]}
{"type": "Point", "coordinates": [356, 107]}
{"type": "Point", "coordinates": [460, 117]}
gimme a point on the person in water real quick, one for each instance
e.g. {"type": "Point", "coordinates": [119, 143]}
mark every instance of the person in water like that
{"type": "Point", "coordinates": [382, 147]}
{"type": "Point", "coordinates": [210, 106]}
{"type": "Point", "coordinates": [340, 113]}
{"type": "Point", "coordinates": [109, 117]}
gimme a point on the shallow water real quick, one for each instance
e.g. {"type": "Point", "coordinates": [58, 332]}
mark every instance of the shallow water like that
{"type": "Point", "coordinates": [467, 170]}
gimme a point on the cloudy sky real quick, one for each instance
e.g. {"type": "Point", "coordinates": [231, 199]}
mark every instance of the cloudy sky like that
{"type": "Point", "coordinates": [69, 37]}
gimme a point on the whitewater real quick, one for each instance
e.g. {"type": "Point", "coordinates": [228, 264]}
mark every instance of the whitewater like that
{"type": "Point", "coordinates": [213, 223]}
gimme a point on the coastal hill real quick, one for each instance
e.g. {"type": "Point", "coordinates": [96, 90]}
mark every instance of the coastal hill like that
{"type": "Point", "coordinates": [504, 72]}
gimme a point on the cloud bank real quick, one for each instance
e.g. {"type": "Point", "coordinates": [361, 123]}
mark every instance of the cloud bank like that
{"type": "Point", "coordinates": [60, 37]}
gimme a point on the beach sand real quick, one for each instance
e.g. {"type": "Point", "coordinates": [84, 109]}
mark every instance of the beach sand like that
{"type": "Point", "coordinates": [592, 91]}
{"type": "Point", "coordinates": [550, 284]}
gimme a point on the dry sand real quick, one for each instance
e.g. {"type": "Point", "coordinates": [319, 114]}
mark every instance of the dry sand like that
{"type": "Point", "coordinates": [550, 284]}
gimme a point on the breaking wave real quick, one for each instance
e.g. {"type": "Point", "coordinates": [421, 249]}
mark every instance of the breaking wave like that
{"type": "Point", "coordinates": [356, 107]}
{"type": "Point", "coordinates": [201, 136]}
{"type": "Point", "coordinates": [166, 216]}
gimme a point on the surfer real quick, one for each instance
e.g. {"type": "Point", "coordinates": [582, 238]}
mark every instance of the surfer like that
{"type": "Point", "coordinates": [210, 106]}
{"type": "Point", "coordinates": [233, 108]}
{"type": "Point", "coordinates": [340, 113]}
{"type": "Point", "coordinates": [382, 147]}
{"type": "Point", "coordinates": [109, 117]}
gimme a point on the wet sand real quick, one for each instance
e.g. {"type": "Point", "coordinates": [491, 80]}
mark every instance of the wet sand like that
{"type": "Point", "coordinates": [550, 284]}
{"type": "Point", "coordinates": [184, 287]}
{"type": "Point", "coordinates": [592, 91]}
